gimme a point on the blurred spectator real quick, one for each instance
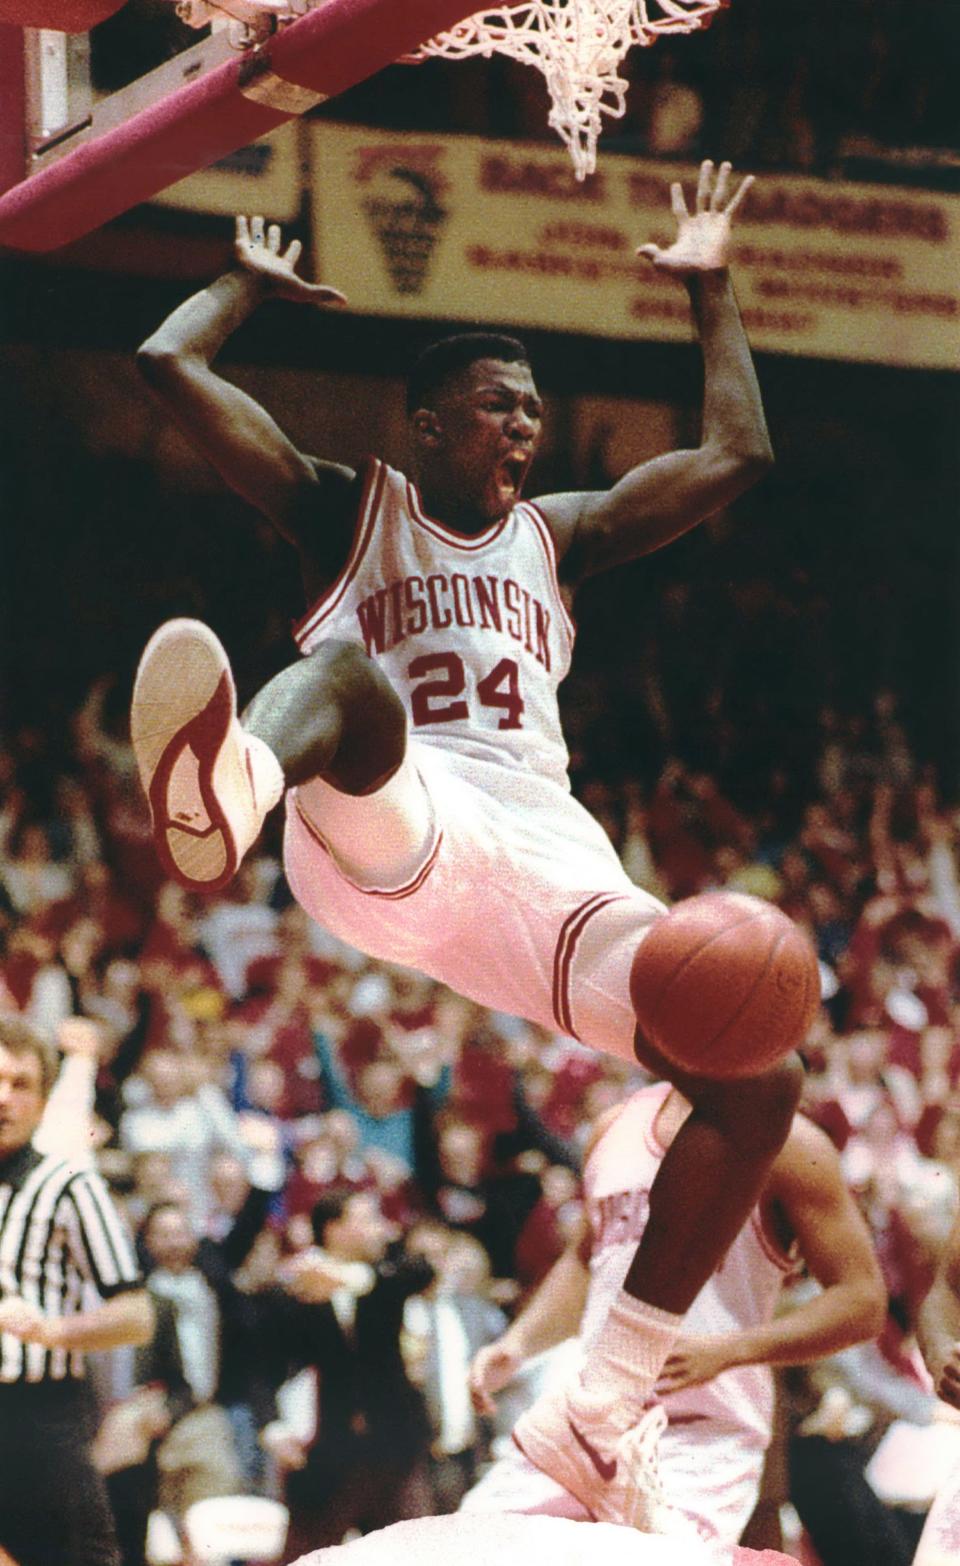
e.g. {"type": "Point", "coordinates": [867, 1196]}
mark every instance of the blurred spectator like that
{"type": "Point", "coordinates": [226, 1359]}
{"type": "Point", "coordinates": [445, 1327]}
{"type": "Point", "coordinates": [31, 876]}
{"type": "Point", "coordinates": [188, 1122]}
{"type": "Point", "coordinates": [363, 1464]}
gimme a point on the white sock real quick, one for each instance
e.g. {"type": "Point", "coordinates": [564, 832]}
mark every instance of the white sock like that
{"type": "Point", "coordinates": [266, 774]}
{"type": "Point", "coordinates": [380, 839]}
{"type": "Point", "coordinates": [628, 1356]}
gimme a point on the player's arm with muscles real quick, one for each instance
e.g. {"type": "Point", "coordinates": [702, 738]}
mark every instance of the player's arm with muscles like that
{"type": "Point", "coordinates": [660, 499]}
{"type": "Point", "coordinates": [938, 1326]}
{"type": "Point", "coordinates": [806, 1197]}
{"type": "Point", "coordinates": [309, 501]}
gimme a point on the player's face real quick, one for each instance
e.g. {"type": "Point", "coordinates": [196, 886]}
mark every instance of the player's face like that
{"type": "Point", "coordinates": [489, 420]}
{"type": "Point", "coordinates": [21, 1099]}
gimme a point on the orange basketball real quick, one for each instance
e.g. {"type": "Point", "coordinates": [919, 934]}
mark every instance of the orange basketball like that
{"type": "Point", "coordinates": [725, 985]}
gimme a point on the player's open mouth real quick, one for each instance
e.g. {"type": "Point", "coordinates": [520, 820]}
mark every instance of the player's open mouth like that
{"type": "Point", "coordinates": [512, 471]}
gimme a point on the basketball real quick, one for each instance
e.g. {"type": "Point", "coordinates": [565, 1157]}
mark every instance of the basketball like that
{"type": "Point", "coordinates": [725, 985]}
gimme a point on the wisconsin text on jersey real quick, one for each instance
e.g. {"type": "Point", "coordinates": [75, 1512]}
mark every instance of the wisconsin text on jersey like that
{"type": "Point", "coordinates": [414, 604]}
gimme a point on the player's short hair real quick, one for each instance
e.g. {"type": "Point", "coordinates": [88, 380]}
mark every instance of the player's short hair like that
{"type": "Point", "coordinates": [444, 359]}
{"type": "Point", "coordinates": [20, 1039]}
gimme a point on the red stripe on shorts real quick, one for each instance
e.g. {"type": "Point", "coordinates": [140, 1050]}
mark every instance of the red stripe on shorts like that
{"type": "Point", "coordinates": [573, 928]}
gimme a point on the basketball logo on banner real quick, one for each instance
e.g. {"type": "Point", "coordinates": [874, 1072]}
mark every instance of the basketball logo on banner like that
{"type": "Point", "coordinates": [405, 210]}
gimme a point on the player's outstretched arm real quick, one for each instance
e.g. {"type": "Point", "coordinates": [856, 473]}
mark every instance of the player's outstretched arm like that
{"type": "Point", "coordinates": [246, 446]}
{"type": "Point", "coordinates": [938, 1328]}
{"type": "Point", "coordinates": [806, 1187]}
{"type": "Point", "coordinates": [552, 1314]}
{"type": "Point", "coordinates": [658, 500]}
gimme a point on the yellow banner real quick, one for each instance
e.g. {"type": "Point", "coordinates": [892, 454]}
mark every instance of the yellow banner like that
{"type": "Point", "coordinates": [264, 177]}
{"type": "Point", "coordinates": [466, 229]}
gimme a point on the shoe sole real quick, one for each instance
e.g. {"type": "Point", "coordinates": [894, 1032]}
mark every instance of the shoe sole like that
{"type": "Point", "coordinates": [184, 703]}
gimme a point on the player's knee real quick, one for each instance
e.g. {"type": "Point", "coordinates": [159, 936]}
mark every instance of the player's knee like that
{"type": "Point", "coordinates": [373, 732]}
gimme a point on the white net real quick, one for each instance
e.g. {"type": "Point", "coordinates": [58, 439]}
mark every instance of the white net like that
{"type": "Point", "coordinates": [579, 46]}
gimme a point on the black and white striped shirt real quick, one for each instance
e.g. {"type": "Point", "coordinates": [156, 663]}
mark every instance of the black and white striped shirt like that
{"type": "Point", "coordinates": [61, 1238]}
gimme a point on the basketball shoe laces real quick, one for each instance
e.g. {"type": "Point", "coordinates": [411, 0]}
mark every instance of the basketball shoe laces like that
{"type": "Point", "coordinates": [610, 1466]}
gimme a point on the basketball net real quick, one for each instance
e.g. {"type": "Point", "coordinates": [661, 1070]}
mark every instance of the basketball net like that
{"type": "Point", "coordinates": [578, 45]}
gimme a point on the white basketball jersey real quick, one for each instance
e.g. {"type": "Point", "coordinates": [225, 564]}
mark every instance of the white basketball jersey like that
{"type": "Point", "coordinates": [471, 631]}
{"type": "Point", "coordinates": [742, 1293]}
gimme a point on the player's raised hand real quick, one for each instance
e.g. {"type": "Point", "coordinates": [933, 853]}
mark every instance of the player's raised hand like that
{"type": "Point", "coordinates": [492, 1369]}
{"type": "Point", "coordinates": [79, 1036]}
{"type": "Point", "coordinates": [703, 236]}
{"type": "Point", "coordinates": [257, 247]}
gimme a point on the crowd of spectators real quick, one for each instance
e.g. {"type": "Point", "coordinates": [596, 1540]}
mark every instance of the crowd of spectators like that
{"type": "Point", "coordinates": [327, 1162]}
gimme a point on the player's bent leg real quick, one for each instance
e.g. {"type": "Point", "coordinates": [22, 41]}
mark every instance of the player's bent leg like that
{"type": "Point", "coordinates": [332, 715]}
{"type": "Point", "coordinates": [208, 784]}
{"type": "Point", "coordinates": [211, 780]}
{"type": "Point", "coordinates": [598, 1436]}
{"type": "Point", "coordinates": [710, 1177]}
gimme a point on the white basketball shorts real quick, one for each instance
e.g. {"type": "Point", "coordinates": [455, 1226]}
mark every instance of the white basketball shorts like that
{"type": "Point", "coordinates": [518, 900]}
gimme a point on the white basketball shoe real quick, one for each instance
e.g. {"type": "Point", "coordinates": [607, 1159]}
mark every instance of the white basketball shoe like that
{"type": "Point", "coordinates": [609, 1465]}
{"type": "Point", "coordinates": [209, 784]}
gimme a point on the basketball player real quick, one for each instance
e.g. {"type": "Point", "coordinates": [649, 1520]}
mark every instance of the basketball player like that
{"type": "Point", "coordinates": [938, 1327]}
{"type": "Point", "coordinates": [716, 1386]}
{"type": "Point", "coordinates": [429, 818]}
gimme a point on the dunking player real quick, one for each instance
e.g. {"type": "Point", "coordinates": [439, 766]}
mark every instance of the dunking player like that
{"type": "Point", "coordinates": [716, 1387]}
{"type": "Point", "coordinates": [437, 608]}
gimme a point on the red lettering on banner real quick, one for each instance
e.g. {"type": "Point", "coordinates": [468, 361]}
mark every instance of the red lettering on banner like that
{"type": "Point", "coordinates": [886, 217]}
{"type": "Point", "coordinates": [855, 264]}
{"type": "Point", "coordinates": [520, 176]}
{"type": "Point", "coordinates": [543, 263]}
{"type": "Point", "coordinates": [943, 306]}
{"type": "Point", "coordinates": [584, 235]}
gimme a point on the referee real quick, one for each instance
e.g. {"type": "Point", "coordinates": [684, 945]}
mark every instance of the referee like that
{"type": "Point", "coordinates": [68, 1285]}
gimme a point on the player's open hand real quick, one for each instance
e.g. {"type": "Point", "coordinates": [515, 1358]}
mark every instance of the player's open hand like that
{"type": "Point", "coordinates": [257, 247]}
{"type": "Point", "coordinates": [703, 236]}
{"type": "Point", "coordinates": [695, 1358]}
{"type": "Point", "coordinates": [493, 1368]}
